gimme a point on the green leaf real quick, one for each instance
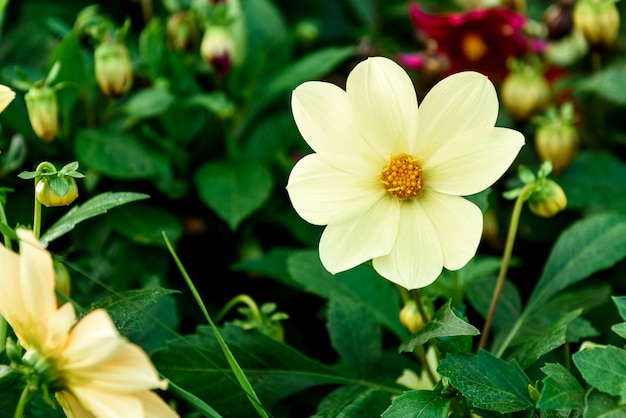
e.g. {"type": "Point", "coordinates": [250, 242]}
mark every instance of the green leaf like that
{"type": "Point", "coordinates": [151, 47]}
{"type": "Point", "coordinates": [603, 368]}
{"type": "Point", "coordinates": [594, 181]}
{"type": "Point", "coordinates": [590, 245]}
{"type": "Point", "coordinates": [216, 102]}
{"type": "Point", "coordinates": [487, 381]}
{"type": "Point", "coordinates": [353, 401]}
{"type": "Point", "coordinates": [97, 205]}
{"type": "Point", "coordinates": [233, 190]}
{"type": "Point", "coordinates": [419, 404]}
{"type": "Point", "coordinates": [131, 312]}
{"type": "Point", "coordinates": [197, 364]}
{"type": "Point", "coordinates": [560, 389]}
{"type": "Point", "coordinates": [619, 329]}
{"type": "Point", "coordinates": [354, 334]}
{"type": "Point", "coordinates": [148, 102]}
{"type": "Point", "coordinates": [120, 155]}
{"type": "Point", "coordinates": [443, 324]}
{"type": "Point", "coordinates": [144, 224]}
{"type": "Point", "coordinates": [620, 304]}
{"type": "Point", "coordinates": [361, 283]}
{"type": "Point", "coordinates": [610, 84]}
{"type": "Point", "coordinates": [509, 305]}
{"type": "Point", "coordinates": [601, 405]}
{"type": "Point", "coordinates": [536, 346]}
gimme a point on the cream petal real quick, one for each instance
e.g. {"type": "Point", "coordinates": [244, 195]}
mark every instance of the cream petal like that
{"type": "Point", "coordinates": [473, 161]}
{"type": "Point", "coordinates": [416, 259]}
{"type": "Point", "coordinates": [321, 194]}
{"type": "Point", "coordinates": [384, 104]}
{"type": "Point", "coordinates": [37, 277]}
{"type": "Point", "coordinates": [154, 406]}
{"type": "Point", "coordinates": [6, 97]}
{"type": "Point", "coordinates": [71, 406]}
{"type": "Point", "coordinates": [323, 117]}
{"type": "Point", "coordinates": [105, 405]}
{"type": "Point", "coordinates": [459, 225]}
{"type": "Point", "coordinates": [11, 301]}
{"type": "Point", "coordinates": [128, 372]}
{"type": "Point", "coordinates": [373, 234]}
{"type": "Point", "coordinates": [58, 328]}
{"type": "Point", "coordinates": [461, 102]}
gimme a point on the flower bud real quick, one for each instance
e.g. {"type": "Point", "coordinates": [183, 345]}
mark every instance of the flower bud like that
{"type": "Point", "coordinates": [559, 19]}
{"type": "Point", "coordinates": [47, 195]}
{"type": "Point", "coordinates": [114, 72]}
{"type": "Point", "coordinates": [218, 49]}
{"type": "Point", "coordinates": [598, 21]}
{"type": "Point", "coordinates": [525, 91]}
{"type": "Point", "coordinates": [557, 140]}
{"type": "Point", "coordinates": [182, 31]}
{"type": "Point", "coordinates": [411, 318]}
{"type": "Point", "coordinates": [547, 199]}
{"type": "Point", "coordinates": [43, 111]}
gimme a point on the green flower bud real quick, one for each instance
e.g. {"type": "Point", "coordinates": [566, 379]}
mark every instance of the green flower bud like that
{"type": "Point", "coordinates": [62, 281]}
{"type": "Point", "coordinates": [547, 199]}
{"type": "Point", "coordinates": [48, 196]}
{"type": "Point", "coordinates": [218, 49]}
{"type": "Point", "coordinates": [598, 21]}
{"type": "Point", "coordinates": [43, 111]}
{"type": "Point", "coordinates": [411, 318]}
{"type": "Point", "coordinates": [556, 139]}
{"type": "Point", "coordinates": [182, 31]}
{"type": "Point", "coordinates": [525, 91]}
{"type": "Point", "coordinates": [114, 72]}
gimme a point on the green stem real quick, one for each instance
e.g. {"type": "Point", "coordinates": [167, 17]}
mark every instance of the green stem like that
{"type": "Point", "coordinates": [245, 299]}
{"type": "Point", "coordinates": [506, 259]}
{"type": "Point", "coordinates": [37, 216]}
{"type": "Point", "coordinates": [421, 355]}
{"type": "Point", "coordinates": [21, 404]}
{"type": "Point", "coordinates": [3, 220]}
{"type": "Point", "coordinates": [420, 306]}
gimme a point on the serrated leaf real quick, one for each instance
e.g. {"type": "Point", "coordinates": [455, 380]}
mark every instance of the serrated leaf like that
{"type": "Point", "coordinates": [352, 401]}
{"type": "Point", "coordinates": [233, 190]}
{"type": "Point", "coordinates": [560, 389]}
{"type": "Point", "coordinates": [361, 283]}
{"type": "Point", "coordinates": [353, 333]}
{"type": "Point", "coordinates": [603, 368]}
{"type": "Point", "coordinates": [443, 324]}
{"type": "Point", "coordinates": [536, 346]}
{"type": "Point", "coordinates": [95, 206]}
{"type": "Point", "coordinates": [487, 381]}
{"type": "Point", "coordinates": [419, 404]}
{"type": "Point", "coordinates": [197, 363]}
{"type": "Point", "coordinates": [590, 245]}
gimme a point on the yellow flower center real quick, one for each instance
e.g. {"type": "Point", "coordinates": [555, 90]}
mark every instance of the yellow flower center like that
{"type": "Point", "coordinates": [402, 177]}
{"type": "Point", "coordinates": [473, 46]}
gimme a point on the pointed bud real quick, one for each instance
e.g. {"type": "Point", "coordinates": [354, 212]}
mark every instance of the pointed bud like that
{"type": "Point", "coordinates": [48, 196]}
{"type": "Point", "coordinates": [43, 111]}
{"type": "Point", "coordinates": [556, 139]}
{"type": "Point", "coordinates": [598, 21]}
{"type": "Point", "coordinates": [525, 91]}
{"type": "Point", "coordinates": [182, 31]}
{"type": "Point", "coordinates": [114, 72]}
{"type": "Point", "coordinates": [218, 49]}
{"type": "Point", "coordinates": [62, 281]}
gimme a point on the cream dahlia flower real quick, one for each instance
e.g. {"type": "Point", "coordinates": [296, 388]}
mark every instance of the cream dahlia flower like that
{"type": "Point", "coordinates": [94, 371]}
{"type": "Point", "coordinates": [387, 180]}
{"type": "Point", "coordinates": [6, 96]}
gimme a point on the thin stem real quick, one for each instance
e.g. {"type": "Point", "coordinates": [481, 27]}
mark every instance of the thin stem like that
{"type": "Point", "coordinates": [21, 404]}
{"type": "Point", "coordinates": [245, 299]}
{"type": "Point", "coordinates": [37, 216]}
{"type": "Point", "coordinates": [506, 259]}
{"type": "Point", "coordinates": [421, 355]}
{"type": "Point", "coordinates": [420, 306]}
{"type": "Point", "coordinates": [3, 220]}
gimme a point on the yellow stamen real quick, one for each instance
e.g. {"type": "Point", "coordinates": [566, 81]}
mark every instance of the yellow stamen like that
{"type": "Point", "coordinates": [473, 47]}
{"type": "Point", "coordinates": [402, 177]}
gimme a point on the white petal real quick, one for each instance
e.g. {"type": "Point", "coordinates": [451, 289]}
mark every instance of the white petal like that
{"type": "Point", "coordinates": [37, 277]}
{"type": "Point", "coordinates": [349, 244]}
{"type": "Point", "coordinates": [154, 406]}
{"type": "Point", "coordinates": [416, 259]}
{"type": "Point", "coordinates": [6, 97]}
{"type": "Point", "coordinates": [324, 119]}
{"type": "Point", "coordinates": [105, 405]}
{"type": "Point", "coordinates": [322, 194]}
{"type": "Point", "coordinates": [459, 225]}
{"type": "Point", "coordinates": [473, 161]}
{"type": "Point", "coordinates": [383, 99]}
{"type": "Point", "coordinates": [460, 102]}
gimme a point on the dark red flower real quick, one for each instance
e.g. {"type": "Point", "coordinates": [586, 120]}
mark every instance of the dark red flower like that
{"type": "Point", "coordinates": [480, 39]}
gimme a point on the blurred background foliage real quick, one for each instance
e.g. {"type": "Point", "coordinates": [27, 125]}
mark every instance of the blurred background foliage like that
{"type": "Point", "coordinates": [209, 136]}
